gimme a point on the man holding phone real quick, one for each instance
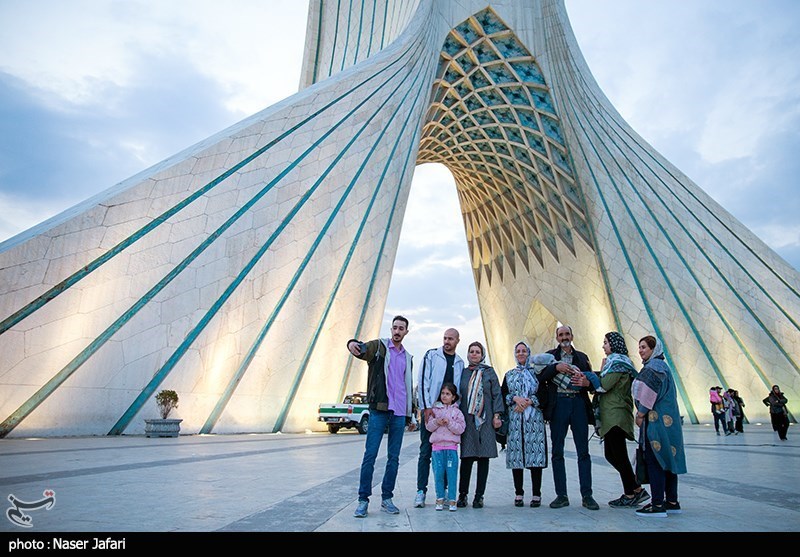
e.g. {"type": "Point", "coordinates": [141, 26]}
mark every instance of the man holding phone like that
{"type": "Point", "coordinates": [389, 395]}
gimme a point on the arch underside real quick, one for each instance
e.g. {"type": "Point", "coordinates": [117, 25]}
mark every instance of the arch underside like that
{"type": "Point", "coordinates": [235, 271]}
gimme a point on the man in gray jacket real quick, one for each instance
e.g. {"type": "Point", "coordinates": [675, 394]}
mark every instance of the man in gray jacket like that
{"type": "Point", "coordinates": [439, 365]}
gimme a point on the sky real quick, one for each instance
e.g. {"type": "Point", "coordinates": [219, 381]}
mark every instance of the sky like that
{"type": "Point", "coordinates": [95, 91]}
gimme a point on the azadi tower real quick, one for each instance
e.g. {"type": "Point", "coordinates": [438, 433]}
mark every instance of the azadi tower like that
{"type": "Point", "coordinates": [234, 271]}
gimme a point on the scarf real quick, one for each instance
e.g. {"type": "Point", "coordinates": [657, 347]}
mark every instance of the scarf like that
{"type": "Point", "coordinates": [648, 384]}
{"type": "Point", "coordinates": [527, 377]}
{"type": "Point", "coordinates": [618, 363]}
{"type": "Point", "coordinates": [475, 395]}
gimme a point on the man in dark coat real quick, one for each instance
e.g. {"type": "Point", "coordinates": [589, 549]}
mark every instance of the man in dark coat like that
{"type": "Point", "coordinates": [569, 408]}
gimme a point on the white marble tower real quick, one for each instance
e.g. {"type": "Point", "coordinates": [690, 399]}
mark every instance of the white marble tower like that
{"type": "Point", "coordinates": [234, 271]}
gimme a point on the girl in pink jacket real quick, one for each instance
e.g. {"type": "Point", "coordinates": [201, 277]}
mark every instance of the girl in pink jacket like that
{"type": "Point", "coordinates": [446, 425]}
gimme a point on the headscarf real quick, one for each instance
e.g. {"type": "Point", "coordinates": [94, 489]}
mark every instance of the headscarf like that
{"type": "Point", "coordinates": [475, 388]}
{"type": "Point", "coordinates": [527, 374]}
{"type": "Point", "coordinates": [617, 343]}
{"type": "Point", "coordinates": [618, 361]}
{"type": "Point", "coordinates": [647, 385]}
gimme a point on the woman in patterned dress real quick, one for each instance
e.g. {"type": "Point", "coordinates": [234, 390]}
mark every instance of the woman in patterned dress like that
{"type": "Point", "coordinates": [527, 442]}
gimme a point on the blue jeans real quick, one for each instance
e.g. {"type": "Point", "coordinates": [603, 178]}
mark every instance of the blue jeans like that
{"type": "Point", "coordinates": [720, 419]}
{"type": "Point", "coordinates": [445, 473]}
{"type": "Point", "coordinates": [570, 412]}
{"type": "Point", "coordinates": [424, 461]}
{"type": "Point", "coordinates": [378, 421]}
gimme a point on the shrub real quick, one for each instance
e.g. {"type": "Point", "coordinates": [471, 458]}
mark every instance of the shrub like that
{"type": "Point", "coordinates": [167, 400]}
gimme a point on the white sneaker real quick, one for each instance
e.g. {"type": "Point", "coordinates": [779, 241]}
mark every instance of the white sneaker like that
{"type": "Point", "coordinates": [453, 506]}
{"type": "Point", "coordinates": [419, 500]}
{"type": "Point", "coordinates": [439, 505]}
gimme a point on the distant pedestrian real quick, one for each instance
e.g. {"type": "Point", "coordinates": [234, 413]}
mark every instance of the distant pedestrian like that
{"type": "Point", "coordinates": [718, 409]}
{"type": "Point", "coordinates": [739, 422]}
{"type": "Point", "coordinates": [778, 413]}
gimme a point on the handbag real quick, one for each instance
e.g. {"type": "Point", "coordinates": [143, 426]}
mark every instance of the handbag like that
{"type": "Point", "coordinates": [501, 432]}
{"type": "Point", "coordinates": [640, 466]}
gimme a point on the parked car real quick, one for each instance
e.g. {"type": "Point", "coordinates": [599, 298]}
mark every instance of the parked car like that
{"type": "Point", "coordinates": [353, 411]}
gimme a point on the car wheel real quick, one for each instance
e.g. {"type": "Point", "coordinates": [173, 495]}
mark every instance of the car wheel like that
{"type": "Point", "coordinates": [363, 425]}
{"type": "Point", "coordinates": [332, 428]}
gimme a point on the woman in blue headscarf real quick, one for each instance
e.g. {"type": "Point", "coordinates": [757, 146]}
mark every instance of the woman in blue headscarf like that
{"type": "Point", "coordinates": [660, 431]}
{"type": "Point", "coordinates": [527, 442]}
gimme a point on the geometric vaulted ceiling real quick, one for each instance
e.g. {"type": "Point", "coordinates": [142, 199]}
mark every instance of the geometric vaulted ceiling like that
{"type": "Point", "coordinates": [493, 123]}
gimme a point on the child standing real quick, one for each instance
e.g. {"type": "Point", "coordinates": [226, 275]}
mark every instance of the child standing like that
{"type": "Point", "coordinates": [446, 425]}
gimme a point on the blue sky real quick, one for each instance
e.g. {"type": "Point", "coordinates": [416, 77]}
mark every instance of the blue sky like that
{"type": "Point", "coordinates": [94, 91]}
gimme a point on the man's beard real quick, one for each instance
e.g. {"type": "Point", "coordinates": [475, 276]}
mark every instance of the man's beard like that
{"type": "Point", "coordinates": [566, 343]}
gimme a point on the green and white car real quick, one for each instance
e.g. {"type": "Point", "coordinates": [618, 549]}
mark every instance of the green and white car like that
{"type": "Point", "coordinates": [352, 412]}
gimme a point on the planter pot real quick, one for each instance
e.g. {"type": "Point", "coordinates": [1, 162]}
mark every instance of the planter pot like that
{"type": "Point", "coordinates": [158, 427]}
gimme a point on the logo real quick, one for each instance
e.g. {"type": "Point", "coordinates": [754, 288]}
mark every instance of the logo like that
{"type": "Point", "coordinates": [16, 514]}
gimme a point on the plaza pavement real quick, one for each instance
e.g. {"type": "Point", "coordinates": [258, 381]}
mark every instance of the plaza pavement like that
{"type": "Point", "coordinates": [308, 482]}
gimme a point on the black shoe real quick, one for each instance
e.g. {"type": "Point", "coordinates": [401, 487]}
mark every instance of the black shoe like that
{"type": "Point", "coordinates": [652, 511]}
{"type": "Point", "coordinates": [462, 501]}
{"type": "Point", "coordinates": [590, 503]}
{"type": "Point", "coordinates": [536, 502]}
{"type": "Point", "coordinates": [477, 503]}
{"type": "Point", "coordinates": [623, 502]}
{"type": "Point", "coordinates": [560, 501]}
{"type": "Point", "coordinates": [518, 502]}
{"type": "Point", "coordinates": [673, 508]}
{"type": "Point", "coordinates": [641, 497]}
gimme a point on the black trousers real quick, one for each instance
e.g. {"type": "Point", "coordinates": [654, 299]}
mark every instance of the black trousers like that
{"type": "Point", "coordinates": [615, 447]}
{"type": "Point", "coordinates": [466, 475]}
{"type": "Point", "coordinates": [536, 479]}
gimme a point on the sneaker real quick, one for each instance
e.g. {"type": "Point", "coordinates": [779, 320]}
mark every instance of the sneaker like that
{"type": "Point", "coordinates": [518, 502]}
{"type": "Point", "coordinates": [462, 500]}
{"type": "Point", "coordinates": [640, 497]}
{"type": "Point", "coordinates": [361, 509]}
{"type": "Point", "coordinates": [439, 505]}
{"type": "Point", "coordinates": [652, 510]}
{"type": "Point", "coordinates": [560, 501]}
{"type": "Point", "coordinates": [388, 506]}
{"type": "Point", "coordinates": [623, 502]}
{"type": "Point", "coordinates": [453, 506]}
{"type": "Point", "coordinates": [477, 503]}
{"type": "Point", "coordinates": [419, 500]}
{"type": "Point", "coordinates": [673, 508]}
{"type": "Point", "coordinates": [590, 503]}
{"type": "Point", "coordinates": [727, 433]}
{"type": "Point", "coordinates": [536, 502]}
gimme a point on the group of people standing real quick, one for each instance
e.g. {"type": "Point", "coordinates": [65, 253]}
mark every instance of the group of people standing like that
{"type": "Point", "coordinates": [462, 404]}
{"type": "Point", "coordinates": [727, 408]}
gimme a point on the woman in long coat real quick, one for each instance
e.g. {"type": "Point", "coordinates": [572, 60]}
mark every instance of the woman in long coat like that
{"type": "Point", "coordinates": [660, 432]}
{"type": "Point", "coordinates": [482, 405]}
{"type": "Point", "coordinates": [527, 442]}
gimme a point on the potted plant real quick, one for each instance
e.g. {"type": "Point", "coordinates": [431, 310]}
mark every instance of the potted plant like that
{"type": "Point", "coordinates": [167, 401]}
